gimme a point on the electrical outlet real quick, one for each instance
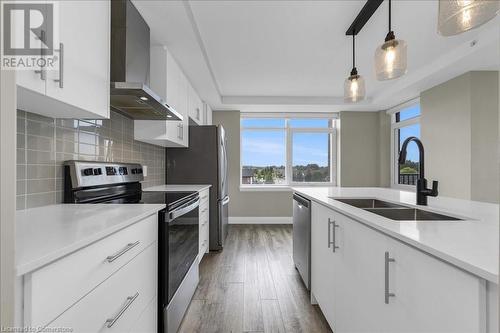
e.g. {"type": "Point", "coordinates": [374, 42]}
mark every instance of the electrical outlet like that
{"type": "Point", "coordinates": [145, 170]}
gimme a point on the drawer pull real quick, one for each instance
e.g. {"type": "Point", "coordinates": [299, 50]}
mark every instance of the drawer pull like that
{"type": "Point", "coordinates": [111, 321]}
{"type": "Point", "coordinates": [204, 210]}
{"type": "Point", "coordinates": [117, 255]}
{"type": "Point", "coordinates": [204, 197]}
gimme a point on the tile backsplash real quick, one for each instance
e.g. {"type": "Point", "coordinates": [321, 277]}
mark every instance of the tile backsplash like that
{"type": "Point", "coordinates": [43, 144]}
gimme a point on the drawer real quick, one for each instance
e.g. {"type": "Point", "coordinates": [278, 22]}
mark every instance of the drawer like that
{"type": "Point", "coordinates": [204, 208]}
{"type": "Point", "coordinates": [54, 288]}
{"type": "Point", "coordinates": [147, 322]}
{"type": "Point", "coordinates": [204, 234]}
{"type": "Point", "coordinates": [124, 297]}
{"type": "Point", "coordinates": [204, 196]}
{"type": "Point", "coordinates": [204, 218]}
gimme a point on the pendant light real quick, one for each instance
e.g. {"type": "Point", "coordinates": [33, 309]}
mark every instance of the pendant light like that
{"type": "Point", "coordinates": [457, 16]}
{"type": "Point", "coordinates": [390, 57]}
{"type": "Point", "coordinates": [354, 85]}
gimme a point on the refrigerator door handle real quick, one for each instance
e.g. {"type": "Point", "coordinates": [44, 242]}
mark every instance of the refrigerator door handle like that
{"type": "Point", "coordinates": [226, 200]}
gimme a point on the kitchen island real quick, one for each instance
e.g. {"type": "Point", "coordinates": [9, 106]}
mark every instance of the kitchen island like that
{"type": "Point", "coordinates": [403, 275]}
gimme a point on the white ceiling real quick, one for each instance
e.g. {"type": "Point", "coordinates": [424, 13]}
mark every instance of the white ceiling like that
{"type": "Point", "coordinates": [294, 55]}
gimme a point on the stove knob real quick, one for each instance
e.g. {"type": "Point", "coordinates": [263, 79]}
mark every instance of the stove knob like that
{"type": "Point", "coordinates": [88, 172]}
{"type": "Point", "coordinates": [97, 172]}
{"type": "Point", "coordinates": [134, 171]}
{"type": "Point", "coordinates": [139, 171]}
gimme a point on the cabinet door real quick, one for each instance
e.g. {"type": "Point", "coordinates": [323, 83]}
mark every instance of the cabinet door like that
{"type": "Point", "coordinates": [195, 106]}
{"type": "Point", "coordinates": [358, 284]}
{"type": "Point", "coordinates": [322, 268]}
{"type": "Point", "coordinates": [82, 79]}
{"type": "Point", "coordinates": [174, 128]}
{"type": "Point", "coordinates": [183, 108]}
{"type": "Point", "coordinates": [431, 295]}
{"type": "Point", "coordinates": [208, 114]}
{"type": "Point", "coordinates": [34, 80]}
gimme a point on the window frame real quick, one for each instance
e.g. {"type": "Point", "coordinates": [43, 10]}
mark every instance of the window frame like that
{"type": "Point", "coordinates": [395, 126]}
{"type": "Point", "coordinates": [289, 131]}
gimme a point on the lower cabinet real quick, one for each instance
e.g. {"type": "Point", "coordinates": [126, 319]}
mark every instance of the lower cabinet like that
{"type": "Point", "coordinates": [204, 226]}
{"type": "Point", "coordinates": [365, 281]}
{"type": "Point", "coordinates": [107, 286]}
{"type": "Point", "coordinates": [117, 304]}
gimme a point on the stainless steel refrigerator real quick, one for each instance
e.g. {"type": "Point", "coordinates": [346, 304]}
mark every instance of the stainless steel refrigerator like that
{"type": "Point", "coordinates": [205, 162]}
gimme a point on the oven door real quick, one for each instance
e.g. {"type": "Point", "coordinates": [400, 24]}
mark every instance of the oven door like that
{"type": "Point", "coordinates": [182, 233]}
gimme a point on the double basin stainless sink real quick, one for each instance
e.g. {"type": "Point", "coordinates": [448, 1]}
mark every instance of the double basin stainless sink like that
{"type": "Point", "coordinates": [395, 211]}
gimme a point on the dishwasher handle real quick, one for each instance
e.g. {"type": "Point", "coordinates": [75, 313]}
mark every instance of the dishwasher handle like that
{"type": "Point", "coordinates": [301, 200]}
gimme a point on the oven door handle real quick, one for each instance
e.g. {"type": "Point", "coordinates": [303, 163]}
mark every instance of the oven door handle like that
{"type": "Point", "coordinates": [184, 209]}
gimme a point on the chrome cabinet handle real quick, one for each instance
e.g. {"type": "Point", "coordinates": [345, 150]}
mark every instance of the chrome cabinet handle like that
{"type": "Point", "coordinates": [111, 321]}
{"type": "Point", "coordinates": [204, 210]}
{"type": "Point", "coordinates": [42, 72]}
{"type": "Point", "coordinates": [118, 254]}
{"type": "Point", "coordinates": [332, 234]}
{"type": "Point", "coordinates": [61, 65]}
{"type": "Point", "coordinates": [180, 131]}
{"type": "Point", "coordinates": [387, 294]}
{"type": "Point", "coordinates": [198, 113]}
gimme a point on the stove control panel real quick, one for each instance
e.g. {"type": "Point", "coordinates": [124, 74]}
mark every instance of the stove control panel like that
{"type": "Point", "coordinates": [86, 173]}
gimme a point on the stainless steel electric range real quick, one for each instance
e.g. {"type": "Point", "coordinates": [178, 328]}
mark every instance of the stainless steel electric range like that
{"type": "Point", "coordinates": [119, 183]}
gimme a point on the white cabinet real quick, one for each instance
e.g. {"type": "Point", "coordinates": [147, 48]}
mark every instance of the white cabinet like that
{"type": "Point", "coordinates": [351, 284]}
{"type": "Point", "coordinates": [117, 304]}
{"type": "Point", "coordinates": [169, 82]}
{"type": "Point", "coordinates": [208, 114]}
{"type": "Point", "coordinates": [204, 222]}
{"type": "Point", "coordinates": [195, 107]}
{"type": "Point", "coordinates": [88, 288]}
{"type": "Point", "coordinates": [78, 86]}
{"type": "Point", "coordinates": [322, 256]}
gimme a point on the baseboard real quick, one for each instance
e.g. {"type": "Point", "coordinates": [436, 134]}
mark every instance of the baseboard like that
{"type": "Point", "coordinates": [260, 220]}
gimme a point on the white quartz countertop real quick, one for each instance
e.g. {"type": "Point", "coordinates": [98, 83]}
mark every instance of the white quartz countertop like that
{"type": "Point", "coordinates": [472, 244]}
{"type": "Point", "coordinates": [48, 233]}
{"type": "Point", "coordinates": [177, 188]}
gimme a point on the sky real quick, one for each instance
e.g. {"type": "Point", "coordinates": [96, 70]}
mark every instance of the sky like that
{"type": "Point", "coordinates": [263, 148]}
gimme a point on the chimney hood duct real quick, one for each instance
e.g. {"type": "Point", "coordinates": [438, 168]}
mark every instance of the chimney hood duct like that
{"type": "Point", "coordinates": [130, 92]}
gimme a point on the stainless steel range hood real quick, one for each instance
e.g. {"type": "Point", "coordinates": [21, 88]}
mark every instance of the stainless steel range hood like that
{"type": "Point", "coordinates": [130, 48]}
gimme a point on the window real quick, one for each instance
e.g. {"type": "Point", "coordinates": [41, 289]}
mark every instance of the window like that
{"type": "Point", "coordinates": [286, 150]}
{"type": "Point", "coordinates": [406, 123]}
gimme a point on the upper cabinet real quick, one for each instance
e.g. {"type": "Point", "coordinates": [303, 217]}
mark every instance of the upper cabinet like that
{"type": "Point", "coordinates": [78, 85]}
{"type": "Point", "coordinates": [170, 83]}
{"type": "Point", "coordinates": [207, 114]}
{"type": "Point", "coordinates": [195, 107]}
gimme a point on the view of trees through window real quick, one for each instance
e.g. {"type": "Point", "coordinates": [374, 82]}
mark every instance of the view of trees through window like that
{"type": "Point", "coordinates": [408, 172]}
{"type": "Point", "coordinates": [264, 151]}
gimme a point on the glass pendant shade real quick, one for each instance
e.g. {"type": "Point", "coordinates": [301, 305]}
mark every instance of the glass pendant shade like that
{"type": "Point", "coordinates": [390, 59]}
{"type": "Point", "coordinates": [457, 16]}
{"type": "Point", "coordinates": [354, 88]}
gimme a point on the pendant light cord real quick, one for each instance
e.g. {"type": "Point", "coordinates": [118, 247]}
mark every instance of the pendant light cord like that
{"type": "Point", "coordinates": [353, 52]}
{"type": "Point", "coordinates": [390, 17]}
{"type": "Point", "coordinates": [390, 34]}
{"type": "Point", "coordinates": [354, 71]}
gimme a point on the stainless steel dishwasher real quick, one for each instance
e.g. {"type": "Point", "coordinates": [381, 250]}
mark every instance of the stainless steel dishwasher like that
{"type": "Point", "coordinates": [302, 237]}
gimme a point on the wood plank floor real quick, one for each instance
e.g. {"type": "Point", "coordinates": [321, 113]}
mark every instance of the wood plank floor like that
{"type": "Point", "coordinates": [252, 286]}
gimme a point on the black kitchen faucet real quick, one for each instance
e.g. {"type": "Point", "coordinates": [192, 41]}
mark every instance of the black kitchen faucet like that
{"type": "Point", "coordinates": [422, 191]}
